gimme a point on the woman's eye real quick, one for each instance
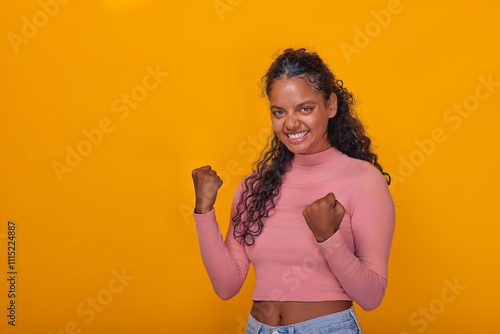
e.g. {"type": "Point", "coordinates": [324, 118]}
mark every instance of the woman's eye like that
{"type": "Point", "coordinates": [278, 112]}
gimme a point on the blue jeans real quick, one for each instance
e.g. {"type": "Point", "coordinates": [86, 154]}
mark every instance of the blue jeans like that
{"type": "Point", "coordinates": [343, 322]}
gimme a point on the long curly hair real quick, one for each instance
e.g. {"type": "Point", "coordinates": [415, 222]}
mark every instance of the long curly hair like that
{"type": "Point", "coordinates": [345, 132]}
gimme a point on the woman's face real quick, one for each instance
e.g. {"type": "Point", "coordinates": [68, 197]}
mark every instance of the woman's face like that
{"type": "Point", "coordinates": [299, 115]}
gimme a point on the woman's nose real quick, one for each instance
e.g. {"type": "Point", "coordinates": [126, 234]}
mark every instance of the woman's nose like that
{"type": "Point", "coordinates": [291, 123]}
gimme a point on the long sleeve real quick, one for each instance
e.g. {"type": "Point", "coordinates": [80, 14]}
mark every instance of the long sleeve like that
{"type": "Point", "coordinates": [363, 275]}
{"type": "Point", "coordinates": [226, 261]}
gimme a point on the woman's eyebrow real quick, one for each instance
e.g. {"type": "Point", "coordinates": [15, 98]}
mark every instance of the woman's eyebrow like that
{"type": "Point", "coordinates": [297, 106]}
{"type": "Point", "coordinates": [305, 103]}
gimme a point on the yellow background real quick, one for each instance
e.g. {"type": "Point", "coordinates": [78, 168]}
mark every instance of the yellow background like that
{"type": "Point", "coordinates": [126, 205]}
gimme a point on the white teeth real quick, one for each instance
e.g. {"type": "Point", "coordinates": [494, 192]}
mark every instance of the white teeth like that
{"type": "Point", "coordinates": [297, 135]}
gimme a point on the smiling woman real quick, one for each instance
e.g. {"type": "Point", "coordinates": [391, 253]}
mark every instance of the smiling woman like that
{"type": "Point", "coordinates": [299, 116]}
{"type": "Point", "coordinates": [315, 218]}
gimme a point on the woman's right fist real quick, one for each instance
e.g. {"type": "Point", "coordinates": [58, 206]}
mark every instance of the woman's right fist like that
{"type": "Point", "coordinates": [206, 184]}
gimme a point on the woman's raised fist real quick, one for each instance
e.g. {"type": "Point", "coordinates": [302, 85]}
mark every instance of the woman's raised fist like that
{"type": "Point", "coordinates": [323, 216]}
{"type": "Point", "coordinates": [206, 184]}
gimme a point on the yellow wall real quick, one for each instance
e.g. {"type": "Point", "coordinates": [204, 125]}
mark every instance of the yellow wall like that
{"type": "Point", "coordinates": [74, 70]}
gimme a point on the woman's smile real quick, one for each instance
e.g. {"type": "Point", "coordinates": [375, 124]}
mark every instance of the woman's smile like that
{"type": "Point", "coordinates": [297, 137]}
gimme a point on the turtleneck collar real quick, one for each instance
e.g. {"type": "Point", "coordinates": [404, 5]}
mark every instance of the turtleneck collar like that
{"type": "Point", "coordinates": [316, 158]}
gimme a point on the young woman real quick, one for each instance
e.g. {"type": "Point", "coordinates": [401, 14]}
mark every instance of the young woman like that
{"type": "Point", "coordinates": [315, 218]}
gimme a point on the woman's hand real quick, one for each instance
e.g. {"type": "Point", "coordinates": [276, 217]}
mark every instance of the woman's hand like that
{"type": "Point", "coordinates": [323, 216]}
{"type": "Point", "coordinates": [206, 184]}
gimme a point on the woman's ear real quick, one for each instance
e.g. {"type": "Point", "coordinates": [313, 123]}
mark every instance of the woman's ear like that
{"type": "Point", "coordinates": [331, 105]}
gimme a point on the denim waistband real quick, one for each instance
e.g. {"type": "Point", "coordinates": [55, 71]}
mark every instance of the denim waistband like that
{"type": "Point", "coordinates": [342, 322]}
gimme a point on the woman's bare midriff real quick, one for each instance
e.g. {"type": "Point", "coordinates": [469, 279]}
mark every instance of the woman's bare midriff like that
{"type": "Point", "coordinates": [286, 313]}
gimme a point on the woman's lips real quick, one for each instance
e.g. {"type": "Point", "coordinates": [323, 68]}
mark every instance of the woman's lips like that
{"type": "Point", "coordinates": [297, 137]}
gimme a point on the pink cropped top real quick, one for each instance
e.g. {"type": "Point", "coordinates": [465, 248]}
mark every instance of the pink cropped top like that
{"type": "Point", "coordinates": [289, 264]}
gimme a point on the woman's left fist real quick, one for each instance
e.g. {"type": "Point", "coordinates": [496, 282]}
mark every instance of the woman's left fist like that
{"type": "Point", "coordinates": [323, 216]}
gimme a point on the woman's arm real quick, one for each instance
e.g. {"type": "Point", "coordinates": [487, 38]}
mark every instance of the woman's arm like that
{"type": "Point", "coordinates": [363, 275]}
{"type": "Point", "coordinates": [226, 262]}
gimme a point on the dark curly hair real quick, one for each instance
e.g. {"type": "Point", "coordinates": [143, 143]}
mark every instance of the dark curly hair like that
{"type": "Point", "coordinates": [345, 132]}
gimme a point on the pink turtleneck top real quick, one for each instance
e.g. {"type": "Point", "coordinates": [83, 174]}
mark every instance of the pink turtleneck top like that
{"type": "Point", "coordinates": [290, 265]}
